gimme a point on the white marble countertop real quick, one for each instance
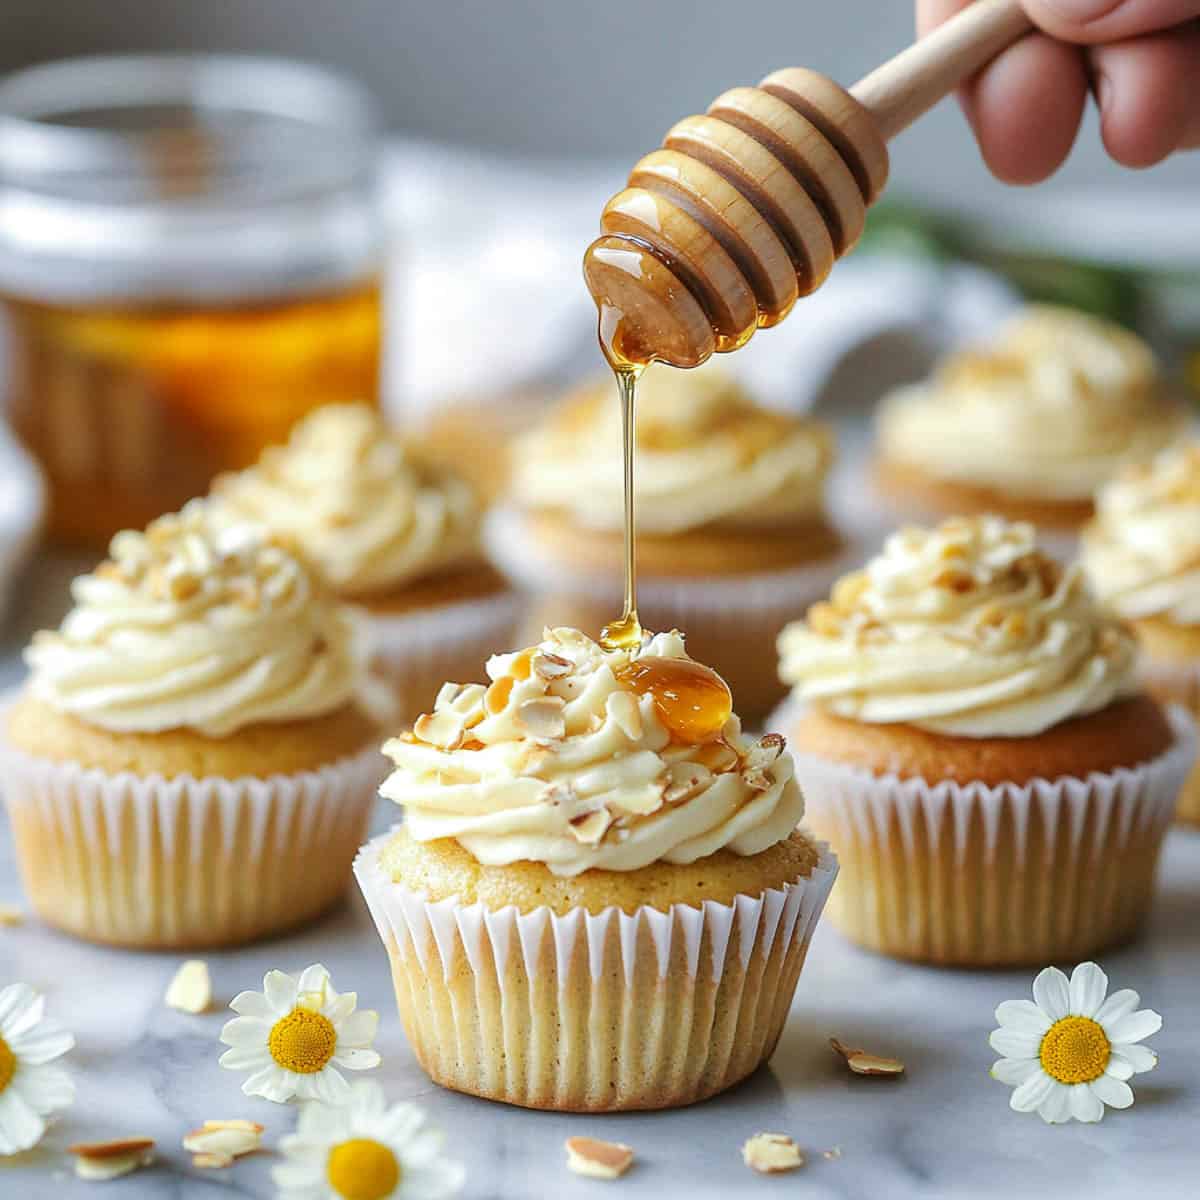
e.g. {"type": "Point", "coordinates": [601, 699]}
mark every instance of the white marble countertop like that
{"type": "Point", "coordinates": [945, 1130]}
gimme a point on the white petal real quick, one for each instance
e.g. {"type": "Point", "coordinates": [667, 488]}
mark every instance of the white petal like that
{"type": "Point", "coordinates": [1015, 1045]}
{"type": "Point", "coordinates": [328, 1086]}
{"type": "Point", "coordinates": [43, 1044]}
{"type": "Point", "coordinates": [253, 1004]}
{"type": "Point", "coordinates": [27, 1018]}
{"type": "Point", "coordinates": [369, 1098]}
{"type": "Point", "coordinates": [1014, 1071]}
{"type": "Point", "coordinates": [312, 979]}
{"type": "Point", "coordinates": [1118, 1067]}
{"type": "Point", "coordinates": [1023, 1016]}
{"type": "Point", "coordinates": [340, 1007]}
{"type": "Point", "coordinates": [1133, 1027]}
{"type": "Point", "coordinates": [246, 1058]}
{"type": "Point", "coordinates": [246, 1031]}
{"type": "Point", "coordinates": [1139, 1058]}
{"type": "Point", "coordinates": [1052, 993]}
{"type": "Point", "coordinates": [1032, 1093]}
{"type": "Point", "coordinates": [1117, 1005]}
{"type": "Point", "coordinates": [359, 1028]}
{"type": "Point", "coordinates": [280, 991]}
{"type": "Point", "coordinates": [434, 1181]}
{"type": "Point", "coordinates": [1089, 985]}
{"type": "Point", "coordinates": [357, 1060]}
{"type": "Point", "coordinates": [271, 1083]}
{"type": "Point", "coordinates": [45, 1089]}
{"type": "Point", "coordinates": [1113, 1092]}
{"type": "Point", "coordinates": [14, 1000]}
{"type": "Point", "coordinates": [20, 1126]}
{"type": "Point", "coordinates": [1056, 1108]}
{"type": "Point", "coordinates": [424, 1146]}
{"type": "Point", "coordinates": [1085, 1104]}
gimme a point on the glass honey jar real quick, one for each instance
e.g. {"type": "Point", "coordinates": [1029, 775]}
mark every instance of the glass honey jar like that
{"type": "Point", "coordinates": [190, 260]}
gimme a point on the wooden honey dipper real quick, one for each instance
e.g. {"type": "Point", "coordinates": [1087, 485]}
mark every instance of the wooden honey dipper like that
{"type": "Point", "coordinates": [745, 209]}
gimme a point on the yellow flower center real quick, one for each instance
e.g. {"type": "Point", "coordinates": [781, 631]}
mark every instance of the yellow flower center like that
{"type": "Point", "coordinates": [8, 1064]}
{"type": "Point", "coordinates": [362, 1169]}
{"type": "Point", "coordinates": [1075, 1050]}
{"type": "Point", "coordinates": [303, 1041]}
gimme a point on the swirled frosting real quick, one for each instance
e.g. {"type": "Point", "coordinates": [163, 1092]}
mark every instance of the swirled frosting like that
{"type": "Point", "coordinates": [1050, 412]}
{"type": "Point", "coordinates": [1142, 552]}
{"type": "Point", "coordinates": [967, 629]}
{"type": "Point", "coordinates": [187, 626]}
{"type": "Point", "coordinates": [557, 761]}
{"type": "Point", "coordinates": [362, 505]}
{"type": "Point", "coordinates": [707, 456]}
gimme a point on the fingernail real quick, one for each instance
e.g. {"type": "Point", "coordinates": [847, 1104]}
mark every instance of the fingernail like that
{"type": "Point", "coordinates": [1080, 12]}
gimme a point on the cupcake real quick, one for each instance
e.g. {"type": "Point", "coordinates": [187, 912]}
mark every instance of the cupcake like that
{"type": "Point", "coordinates": [732, 534]}
{"type": "Point", "coordinates": [1029, 427]}
{"type": "Point", "coordinates": [1142, 555]}
{"type": "Point", "coordinates": [970, 735]}
{"type": "Point", "coordinates": [190, 762]}
{"type": "Point", "coordinates": [599, 898]}
{"type": "Point", "coordinates": [394, 534]}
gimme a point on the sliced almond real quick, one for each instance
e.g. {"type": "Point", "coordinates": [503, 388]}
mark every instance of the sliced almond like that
{"type": "Point", "coordinates": [224, 1139]}
{"type": "Point", "coordinates": [543, 717]}
{"type": "Point", "coordinates": [757, 780]}
{"type": "Point", "coordinates": [623, 709]}
{"type": "Point", "coordinates": [551, 666]}
{"type": "Point", "coordinates": [111, 1149]}
{"type": "Point", "coordinates": [597, 1159]}
{"type": "Point", "coordinates": [210, 1161]}
{"type": "Point", "coordinates": [685, 780]}
{"type": "Point", "coordinates": [190, 990]}
{"type": "Point", "coordinates": [591, 827]}
{"type": "Point", "coordinates": [99, 1161]}
{"type": "Point", "coordinates": [765, 751]}
{"type": "Point", "coordinates": [443, 729]}
{"type": "Point", "coordinates": [11, 915]}
{"type": "Point", "coordinates": [772, 1154]}
{"type": "Point", "coordinates": [862, 1063]}
{"type": "Point", "coordinates": [718, 757]}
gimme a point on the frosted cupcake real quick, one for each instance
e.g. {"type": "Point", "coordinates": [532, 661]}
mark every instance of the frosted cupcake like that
{"type": "Point", "coordinates": [1142, 554]}
{"type": "Point", "coordinates": [599, 898]}
{"type": "Point", "coordinates": [970, 734]}
{"type": "Point", "coordinates": [392, 533]}
{"type": "Point", "coordinates": [1028, 428]}
{"type": "Point", "coordinates": [190, 763]}
{"type": "Point", "coordinates": [733, 535]}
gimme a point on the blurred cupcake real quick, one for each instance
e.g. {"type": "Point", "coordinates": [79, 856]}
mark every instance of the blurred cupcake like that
{"type": "Point", "coordinates": [190, 763]}
{"type": "Point", "coordinates": [1142, 555]}
{"type": "Point", "coordinates": [599, 898]}
{"type": "Point", "coordinates": [1028, 428]}
{"type": "Point", "coordinates": [970, 735]}
{"type": "Point", "coordinates": [392, 533]}
{"type": "Point", "coordinates": [733, 535]}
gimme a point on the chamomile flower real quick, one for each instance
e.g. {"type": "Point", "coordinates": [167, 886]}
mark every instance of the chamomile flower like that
{"type": "Point", "coordinates": [363, 1150]}
{"type": "Point", "coordinates": [294, 1035]}
{"type": "Point", "coordinates": [1070, 1050]}
{"type": "Point", "coordinates": [31, 1087]}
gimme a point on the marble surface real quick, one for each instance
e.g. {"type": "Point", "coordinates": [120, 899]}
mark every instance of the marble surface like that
{"type": "Point", "coordinates": [943, 1131]}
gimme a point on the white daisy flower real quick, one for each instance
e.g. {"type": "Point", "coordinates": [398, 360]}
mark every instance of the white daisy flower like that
{"type": "Point", "coordinates": [295, 1034]}
{"type": "Point", "coordinates": [363, 1150]}
{"type": "Point", "coordinates": [1069, 1051]}
{"type": "Point", "coordinates": [30, 1087]}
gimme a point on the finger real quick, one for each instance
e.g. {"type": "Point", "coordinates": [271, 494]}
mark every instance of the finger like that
{"type": "Point", "coordinates": [1148, 95]}
{"type": "Point", "coordinates": [1092, 22]}
{"type": "Point", "coordinates": [931, 13]}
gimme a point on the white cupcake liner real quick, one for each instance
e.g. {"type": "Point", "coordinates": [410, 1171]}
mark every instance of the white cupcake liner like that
{"type": "Point", "coordinates": [185, 862]}
{"type": "Point", "coordinates": [1178, 683]}
{"type": "Point", "coordinates": [416, 652]}
{"type": "Point", "coordinates": [601, 1012]}
{"type": "Point", "coordinates": [992, 875]}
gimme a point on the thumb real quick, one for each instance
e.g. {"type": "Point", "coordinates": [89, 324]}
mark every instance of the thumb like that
{"type": "Point", "coordinates": [1092, 22]}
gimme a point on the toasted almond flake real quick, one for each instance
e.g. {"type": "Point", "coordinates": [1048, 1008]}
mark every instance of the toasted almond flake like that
{"type": "Point", "coordinates": [211, 1161]}
{"type": "Point", "coordinates": [718, 757]}
{"type": "Point", "coordinates": [11, 915]}
{"type": "Point", "coordinates": [591, 827]}
{"type": "Point", "coordinates": [98, 1161]}
{"type": "Point", "coordinates": [623, 709]}
{"type": "Point", "coordinates": [224, 1139]}
{"type": "Point", "coordinates": [597, 1159]}
{"type": "Point", "coordinates": [684, 780]}
{"type": "Point", "coordinates": [112, 1149]}
{"type": "Point", "coordinates": [190, 989]}
{"type": "Point", "coordinates": [543, 717]}
{"type": "Point", "coordinates": [764, 752]}
{"type": "Point", "coordinates": [443, 729]}
{"type": "Point", "coordinates": [862, 1063]}
{"type": "Point", "coordinates": [772, 1153]}
{"type": "Point", "coordinates": [757, 780]}
{"type": "Point", "coordinates": [551, 666]}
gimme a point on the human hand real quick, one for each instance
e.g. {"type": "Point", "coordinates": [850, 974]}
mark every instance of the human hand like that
{"type": "Point", "coordinates": [1140, 59]}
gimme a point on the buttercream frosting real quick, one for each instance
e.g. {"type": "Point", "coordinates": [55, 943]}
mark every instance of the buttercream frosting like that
{"type": "Point", "coordinates": [1142, 552]}
{"type": "Point", "coordinates": [1050, 412]}
{"type": "Point", "coordinates": [707, 456]}
{"type": "Point", "coordinates": [557, 761]}
{"type": "Point", "coordinates": [191, 626]}
{"type": "Point", "coordinates": [364, 506]}
{"type": "Point", "coordinates": [967, 629]}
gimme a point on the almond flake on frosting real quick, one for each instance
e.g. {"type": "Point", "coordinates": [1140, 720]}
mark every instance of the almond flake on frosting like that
{"type": "Point", "coordinates": [623, 709]}
{"type": "Point", "coordinates": [543, 717]}
{"type": "Point", "coordinates": [591, 827]}
{"type": "Point", "coordinates": [684, 780]}
{"type": "Point", "coordinates": [100, 1161]}
{"type": "Point", "coordinates": [190, 989]}
{"type": "Point", "coordinates": [772, 1154]}
{"type": "Point", "coordinates": [444, 729]}
{"type": "Point", "coordinates": [550, 666]}
{"type": "Point", "coordinates": [862, 1063]}
{"type": "Point", "coordinates": [598, 1159]}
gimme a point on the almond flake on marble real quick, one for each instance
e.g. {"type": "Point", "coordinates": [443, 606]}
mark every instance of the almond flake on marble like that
{"type": "Point", "coordinates": [598, 1159]}
{"type": "Point", "coordinates": [862, 1063]}
{"type": "Point", "coordinates": [10, 915]}
{"type": "Point", "coordinates": [190, 989]}
{"type": "Point", "coordinates": [100, 1161]}
{"type": "Point", "coordinates": [551, 666]}
{"type": "Point", "coordinates": [772, 1154]}
{"type": "Point", "coordinates": [223, 1140]}
{"type": "Point", "coordinates": [623, 709]}
{"type": "Point", "coordinates": [543, 717]}
{"type": "Point", "coordinates": [443, 729]}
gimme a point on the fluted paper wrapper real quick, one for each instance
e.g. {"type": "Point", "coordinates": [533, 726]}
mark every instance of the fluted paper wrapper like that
{"type": "Point", "coordinates": [730, 622]}
{"type": "Point", "coordinates": [1050, 871]}
{"type": "Point", "coordinates": [416, 652]}
{"type": "Point", "coordinates": [1178, 683]}
{"type": "Point", "coordinates": [584, 1013]}
{"type": "Point", "coordinates": [183, 862]}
